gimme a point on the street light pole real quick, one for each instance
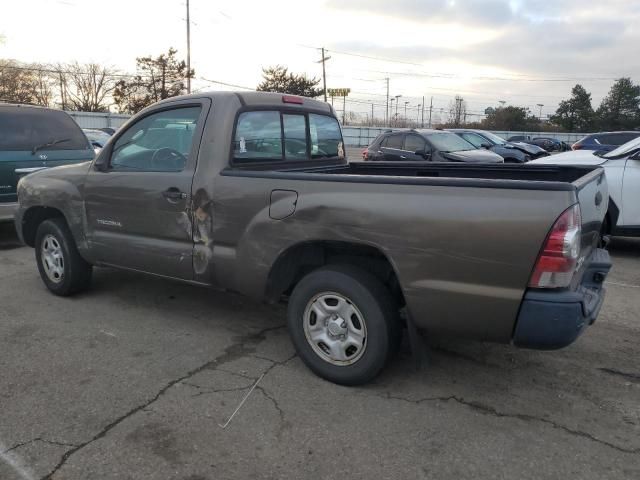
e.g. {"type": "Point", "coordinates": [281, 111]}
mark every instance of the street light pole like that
{"type": "Point", "coordinates": [397, 102]}
{"type": "Point", "coordinates": [405, 113]}
{"type": "Point", "coordinates": [418, 115]}
{"type": "Point", "coordinates": [540, 105]}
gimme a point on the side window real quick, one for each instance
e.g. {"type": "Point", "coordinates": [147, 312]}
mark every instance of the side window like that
{"type": "Point", "coordinates": [473, 139]}
{"type": "Point", "coordinates": [395, 141]}
{"type": "Point", "coordinates": [413, 143]}
{"type": "Point", "coordinates": [160, 142]}
{"type": "Point", "coordinates": [258, 136]}
{"type": "Point", "coordinates": [622, 138]}
{"type": "Point", "coordinates": [295, 137]}
{"type": "Point", "coordinates": [326, 137]}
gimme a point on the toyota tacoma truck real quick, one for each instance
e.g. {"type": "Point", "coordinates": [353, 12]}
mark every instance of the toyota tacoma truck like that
{"type": "Point", "coordinates": [253, 193]}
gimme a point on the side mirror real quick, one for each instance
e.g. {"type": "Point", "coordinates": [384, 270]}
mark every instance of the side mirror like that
{"type": "Point", "coordinates": [423, 153]}
{"type": "Point", "coordinates": [485, 145]}
{"type": "Point", "coordinates": [102, 160]}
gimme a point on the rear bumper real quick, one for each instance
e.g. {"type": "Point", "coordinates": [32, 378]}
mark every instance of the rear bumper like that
{"type": "Point", "coordinates": [7, 211]}
{"type": "Point", "coordinates": [549, 320]}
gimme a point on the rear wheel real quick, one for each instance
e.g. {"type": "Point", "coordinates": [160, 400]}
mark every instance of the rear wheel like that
{"type": "Point", "coordinates": [61, 267]}
{"type": "Point", "coordinates": [344, 324]}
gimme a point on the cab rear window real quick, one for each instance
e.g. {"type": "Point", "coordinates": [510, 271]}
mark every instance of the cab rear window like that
{"type": "Point", "coordinates": [268, 136]}
{"type": "Point", "coordinates": [24, 128]}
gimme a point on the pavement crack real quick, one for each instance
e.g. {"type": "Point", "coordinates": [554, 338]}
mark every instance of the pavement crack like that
{"type": "Point", "coordinates": [243, 346]}
{"type": "Point", "coordinates": [279, 409]}
{"type": "Point", "coordinates": [38, 439]}
{"type": "Point", "coordinates": [488, 410]}
{"type": "Point", "coordinates": [206, 391]}
{"type": "Point", "coordinates": [632, 377]}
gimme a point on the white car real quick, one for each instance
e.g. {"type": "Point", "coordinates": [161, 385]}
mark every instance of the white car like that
{"type": "Point", "coordinates": [622, 168]}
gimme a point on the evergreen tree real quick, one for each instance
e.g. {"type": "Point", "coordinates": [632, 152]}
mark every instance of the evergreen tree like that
{"type": "Point", "coordinates": [575, 114]}
{"type": "Point", "coordinates": [620, 109]}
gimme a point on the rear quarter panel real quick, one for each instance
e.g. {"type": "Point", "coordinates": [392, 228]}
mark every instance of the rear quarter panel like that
{"type": "Point", "coordinates": [463, 255]}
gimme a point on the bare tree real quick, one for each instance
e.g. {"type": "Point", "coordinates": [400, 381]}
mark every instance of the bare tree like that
{"type": "Point", "coordinates": [42, 84]}
{"type": "Point", "coordinates": [457, 112]}
{"type": "Point", "coordinates": [86, 87]}
{"type": "Point", "coordinates": [15, 82]}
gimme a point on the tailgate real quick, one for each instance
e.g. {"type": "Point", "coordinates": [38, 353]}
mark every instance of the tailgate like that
{"type": "Point", "coordinates": [593, 197]}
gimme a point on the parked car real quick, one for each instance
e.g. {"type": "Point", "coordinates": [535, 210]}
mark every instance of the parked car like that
{"type": "Point", "coordinates": [98, 138]}
{"type": "Point", "coordinates": [108, 130]}
{"type": "Point", "coordinates": [549, 144]}
{"type": "Point", "coordinates": [622, 167]}
{"type": "Point", "coordinates": [519, 138]}
{"type": "Point", "coordinates": [256, 196]}
{"type": "Point", "coordinates": [427, 145]}
{"type": "Point", "coordinates": [605, 141]}
{"type": "Point", "coordinates": [33, 138]}
{"type": "Point", "coordinates": [511, 152]}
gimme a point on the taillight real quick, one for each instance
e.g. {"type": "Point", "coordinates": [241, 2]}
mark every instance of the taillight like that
{"type": "Point", "coordinates": [557, 262]}
{"type": "Point", "coordinates": [576, 146]}
{"type": "Point", "coordinates": [365, 154]}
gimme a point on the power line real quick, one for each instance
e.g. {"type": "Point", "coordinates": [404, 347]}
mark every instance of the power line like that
{"type": "Point", "coordinates": [519, 76]}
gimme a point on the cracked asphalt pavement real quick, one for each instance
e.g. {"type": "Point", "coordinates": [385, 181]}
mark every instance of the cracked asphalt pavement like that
{"type": "Point", "coordinates": [133, 379]}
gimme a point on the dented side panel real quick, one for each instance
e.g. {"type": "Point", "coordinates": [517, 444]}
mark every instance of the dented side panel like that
{"type": "Point", "coordinates": [463, 255]}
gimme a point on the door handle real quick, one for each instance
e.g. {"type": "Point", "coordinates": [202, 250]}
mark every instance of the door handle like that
{"type": "Point", "coordinates": [403, 157]}
{"type": "Point", "coordinates": [174, 194]}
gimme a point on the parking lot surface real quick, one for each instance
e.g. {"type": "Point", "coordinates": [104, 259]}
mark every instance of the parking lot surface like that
{"type": "Point", "coordinates": [133, 380]}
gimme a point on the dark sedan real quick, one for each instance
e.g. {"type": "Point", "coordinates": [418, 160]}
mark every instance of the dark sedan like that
{"type": "Point", "coordinates": [427, 145]}
{"type": "Point", "coordinates": [604, 142]}
{"type": "Point", "coordinates": [512, 152]}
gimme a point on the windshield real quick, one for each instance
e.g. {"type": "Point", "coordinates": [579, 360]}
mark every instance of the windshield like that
{"type": "Point", "coordinates": [624, 149]}
{"type": "Point", "coordinates": [494, 138]}
{"type": "Point", "coordinates": [449, 142]}
{"type": "Point", "coordinates": [24, 128]}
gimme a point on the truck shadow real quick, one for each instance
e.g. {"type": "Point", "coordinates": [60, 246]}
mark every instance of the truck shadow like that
{"type": "Point", "coordinates": [8, 238]}
{"type": "Point", "coordinates": [627, 247]}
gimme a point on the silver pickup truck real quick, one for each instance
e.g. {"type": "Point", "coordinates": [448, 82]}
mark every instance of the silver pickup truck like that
{"type": "Point", "coordinates": [252, 192]}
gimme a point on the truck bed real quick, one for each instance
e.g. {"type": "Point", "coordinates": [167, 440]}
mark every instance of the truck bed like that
{"type": "Point", "coordinates": [528, 177]}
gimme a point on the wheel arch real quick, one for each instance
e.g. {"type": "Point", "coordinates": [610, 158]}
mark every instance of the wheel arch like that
{"type": "Point", "coordinates": [302, 258]}
{"type": "Point", "coordinates": [32, 219]}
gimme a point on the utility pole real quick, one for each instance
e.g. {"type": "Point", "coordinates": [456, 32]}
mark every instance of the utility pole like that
{"type": "Point", "coordinates": [324, 75]}
{"type": "Point", "coordinates": [386, 115]}
{"type": "Point", "coordinates": [188, 50]}
{"type": "Point", "coordinates": [405, 113]}
{"type": "Point", "coordinates": [389, 123]}
{"type": "Point", "coordinates": [344, 109]}
{"type": "Point", "coordinates": [430, 111]}
{"type": "Point", "coordinates": [62, 92]}
{"type": "Point", "coordinates": [422, 123]}
{"type": "Point", "coordinates": [372, 114]}
{"type": "Point", "coordinates": [418, 115]}
{"type": "Point", "coordinates": [397, 102]}
{"type": "Point", "coordinates": [540, 116]}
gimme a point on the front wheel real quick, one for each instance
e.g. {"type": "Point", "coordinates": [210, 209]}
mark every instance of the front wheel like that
{"type": "Point", "coordinates": [61, 267]}
{"type": "Point", "coordinates": [343, 323]}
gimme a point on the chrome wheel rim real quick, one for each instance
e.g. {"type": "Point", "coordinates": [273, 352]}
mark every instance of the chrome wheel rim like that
{"type": "Point", "coordinates": [335, 328]}
{"type": "Point", "coordinates": [52, 258]}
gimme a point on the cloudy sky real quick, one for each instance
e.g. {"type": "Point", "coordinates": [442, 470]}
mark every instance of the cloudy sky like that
{"type": "Point", "coordinates": [523, 52]}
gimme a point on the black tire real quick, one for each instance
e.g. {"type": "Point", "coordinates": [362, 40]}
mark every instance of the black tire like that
{"type": "Point", "coordinates": [380, 315]}
{"type": "Point", "coordinates": [76, 272]}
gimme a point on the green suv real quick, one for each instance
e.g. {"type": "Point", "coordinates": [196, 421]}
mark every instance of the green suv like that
{"type": "Point", "coordinates": [33, 138]}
